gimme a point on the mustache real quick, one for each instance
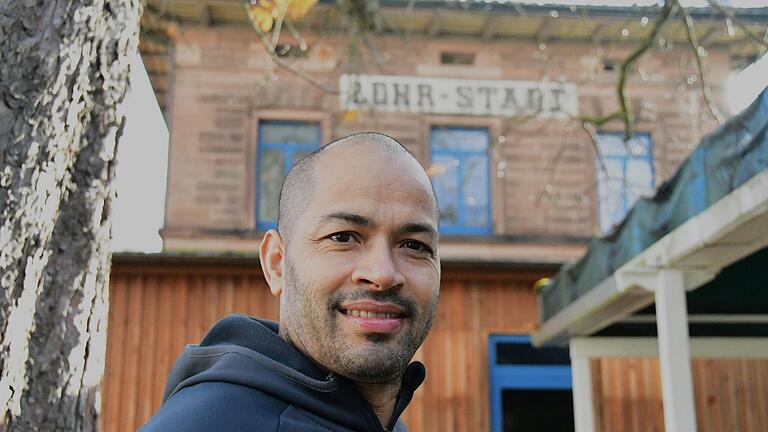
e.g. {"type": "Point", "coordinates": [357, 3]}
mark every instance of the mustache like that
{"type": "Point", "coordinates": [408, 305]}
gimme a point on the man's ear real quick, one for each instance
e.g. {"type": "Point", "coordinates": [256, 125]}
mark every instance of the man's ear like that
{"type": "Point", "coordinates": [272, 257]}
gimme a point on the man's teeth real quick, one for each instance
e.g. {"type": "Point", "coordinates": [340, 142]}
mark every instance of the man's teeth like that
{"type": "Point", "coordinates": [367, 314]}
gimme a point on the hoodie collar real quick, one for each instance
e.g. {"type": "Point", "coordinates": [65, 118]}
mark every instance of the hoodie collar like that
{"type": "Point", "coordinates": [248, 351]}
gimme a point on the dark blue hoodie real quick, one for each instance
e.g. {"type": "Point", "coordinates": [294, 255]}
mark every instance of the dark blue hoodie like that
{"type": "Point", "coordinates": [244, 377]}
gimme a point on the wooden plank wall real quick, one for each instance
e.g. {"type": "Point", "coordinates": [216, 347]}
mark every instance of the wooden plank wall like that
{"type": "Point", "coordinates": [730, 394]}
{"type": "Point", "coordinates": [157, 308]}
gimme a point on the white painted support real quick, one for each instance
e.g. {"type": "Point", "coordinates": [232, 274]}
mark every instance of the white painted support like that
{"type": "Point", "coordinates": [583, 410]}
{"type": "Point", "coordinates": [674, 352]}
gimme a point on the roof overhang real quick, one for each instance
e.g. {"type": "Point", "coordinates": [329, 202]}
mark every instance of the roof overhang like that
{"type": "Point", "coordinates": [732, 228]}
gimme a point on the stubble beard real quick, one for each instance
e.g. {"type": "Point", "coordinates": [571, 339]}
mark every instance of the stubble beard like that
{"type": "Point", "coordinates": [315, 329]}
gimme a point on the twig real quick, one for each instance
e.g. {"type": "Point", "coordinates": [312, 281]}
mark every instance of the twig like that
{"type": "Point", "coordinates": [279, 25]}
{"type": "Point", "coordinates": [705, 89]}
{"type": "Point", "coordinates": [624, 113]}
{"type": "Point", "coordinates": [279, 62]}
{"type": "Point", "coordinates": [590, 129]}
{"type": "Point", "coordinates": [728, 14]}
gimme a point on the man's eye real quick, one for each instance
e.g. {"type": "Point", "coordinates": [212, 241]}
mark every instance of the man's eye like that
{"type": "Point", "coordinates": [418, 246]}
{"type": "Point", "coordinates": [342, 237]}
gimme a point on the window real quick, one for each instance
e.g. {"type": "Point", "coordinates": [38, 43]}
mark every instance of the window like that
{"type": "Point", "coordinates": [281, 144]}
{"type": "Point", "coordinates": [460, 174]}
{"type": "Point", "coordinates": [630, 176]}
{"type": "Point", "coordinates": [530, 387]}
{"type": "Point", "coordinates": [454, 58]}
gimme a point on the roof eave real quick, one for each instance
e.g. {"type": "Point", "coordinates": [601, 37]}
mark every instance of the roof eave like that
{"type": "Point", "coordinates": [729, 230]}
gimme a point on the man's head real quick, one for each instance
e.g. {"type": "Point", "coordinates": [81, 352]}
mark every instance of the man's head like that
{"type": "Point", "coordinates": [355, 260]}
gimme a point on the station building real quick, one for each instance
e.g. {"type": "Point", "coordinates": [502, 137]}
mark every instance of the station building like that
{"type": "Point", "coordinates": [492, 99]}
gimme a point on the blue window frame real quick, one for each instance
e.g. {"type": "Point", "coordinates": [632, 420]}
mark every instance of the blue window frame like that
{"type": "Point", "coordinates": [461, 176]}
{"type": "Point", "coordinates": [540, 375]}
{"type": "Point", "coordinates": [630, 176]}
{"type": "Point", "coordinates": [281, 144]}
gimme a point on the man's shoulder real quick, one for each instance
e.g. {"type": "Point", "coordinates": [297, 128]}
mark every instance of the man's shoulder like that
{"type": "Point", "coordinates": [217, 406]}
{"type": "Point", "coordinates": [214, 406]}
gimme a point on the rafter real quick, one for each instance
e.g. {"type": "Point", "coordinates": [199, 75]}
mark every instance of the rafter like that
{"type": "Point", "coordinates": [489, 26]}
{"type": "Point", "coordinates": [435, 24]}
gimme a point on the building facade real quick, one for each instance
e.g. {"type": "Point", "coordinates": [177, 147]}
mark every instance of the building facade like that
{"type": "Point", "coordinates": [491, 100]}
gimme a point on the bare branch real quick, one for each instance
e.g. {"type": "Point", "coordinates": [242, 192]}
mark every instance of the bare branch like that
{"type": "Point", "coordinates": [624, 113]}
{"type": "Point", "coordinates": [703, 76]}
{"type": "Point", "coordinates": [590, 129]}
{"type": "Point", "coordinates": [279, 25]}
{"type": "Point", "coordinates": [729, 15]}
{"type": "Point", "coordinates": [279, 62]}
{"type": "Point", "coordinates": [667, 11]}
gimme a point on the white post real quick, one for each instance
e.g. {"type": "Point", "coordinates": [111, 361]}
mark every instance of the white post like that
{"type": "Point", "coordinates": [674, 353]}
{"type": "Point", "coordinates": [581, 375]}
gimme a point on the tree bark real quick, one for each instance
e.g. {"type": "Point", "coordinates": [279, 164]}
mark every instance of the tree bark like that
{"type": "Point", "coordinates": [64, 69]}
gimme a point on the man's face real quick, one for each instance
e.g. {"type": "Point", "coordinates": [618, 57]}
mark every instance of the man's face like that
{"type": "Point", "coordinates": [362, 274]}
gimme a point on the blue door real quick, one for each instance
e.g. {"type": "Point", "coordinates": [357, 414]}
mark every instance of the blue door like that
{"type": "Point", "coordinates": [530, 387]}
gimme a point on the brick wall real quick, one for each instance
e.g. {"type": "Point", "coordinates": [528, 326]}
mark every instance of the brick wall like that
{"type": "Point", "coordinates": [543, 185]}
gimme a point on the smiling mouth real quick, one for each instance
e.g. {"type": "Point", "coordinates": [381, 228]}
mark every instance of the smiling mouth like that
{"type": "Point", "coordinates": [371, 314]}
{"type": "Point", "coordinates": [373, 317]}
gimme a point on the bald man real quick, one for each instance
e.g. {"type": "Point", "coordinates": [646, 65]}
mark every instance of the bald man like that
{"type": "Point", "coordinates": [354, 263]}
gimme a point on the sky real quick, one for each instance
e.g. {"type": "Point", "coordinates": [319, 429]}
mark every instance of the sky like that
{"type": "Point", "coordinates": [142, 158]}
{"type": "Point", "coordinates": [142, 163]}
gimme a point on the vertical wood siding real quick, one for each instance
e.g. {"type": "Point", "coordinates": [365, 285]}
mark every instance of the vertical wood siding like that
{"type": "Point", "coordinates": [156, 309]}
{"type": "Point", "coordinates": [153, 313]}
{"type": "Point", "coordinates": [730, 394]}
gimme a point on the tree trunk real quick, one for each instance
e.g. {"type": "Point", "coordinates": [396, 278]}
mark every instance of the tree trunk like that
{"type": "Point", "coordinates": [63, 71]}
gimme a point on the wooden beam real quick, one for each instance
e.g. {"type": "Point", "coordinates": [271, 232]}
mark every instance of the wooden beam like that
{"type": "Point", "coordinates": [435, 23]}
{"type": "Point", "coordinates": [205, 15]}
{"type": "Point", "coordinates": [545, 28]}
{"type": "Point", "coordinates": [712, 31]}
{"type": "Point", "coordinates": [489, 26]}
{"type": "Point", "coordinates": [597, 32]}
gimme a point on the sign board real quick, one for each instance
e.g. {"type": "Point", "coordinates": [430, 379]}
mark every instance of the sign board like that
{"type": "Point", "coordinates": [408, 94]}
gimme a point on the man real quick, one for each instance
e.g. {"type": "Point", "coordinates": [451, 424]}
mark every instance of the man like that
{"type": "Point", "coordinates": [354, 261]}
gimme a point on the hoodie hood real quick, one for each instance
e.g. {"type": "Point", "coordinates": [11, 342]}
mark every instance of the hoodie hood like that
{"type": "Point", "coordinates": [249, 352]}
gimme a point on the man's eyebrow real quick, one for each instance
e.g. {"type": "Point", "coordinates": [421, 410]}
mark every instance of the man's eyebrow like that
{"type": "Point", "coordinates": [418, 228]}
{"type": "Point", "coordinates": [348, 217]}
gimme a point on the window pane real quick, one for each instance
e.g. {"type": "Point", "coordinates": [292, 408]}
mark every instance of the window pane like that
{"type": "Point", "coordinates": [475, 191]}
{"type": "Point", "coordinates": [640, 177]}
{"type": "Point", "coordinates": [270, 181]}
{"type": "Point", "coordinates": [280, 143]}
{"type": "Point", "coordinates": [613, 145]}
{"type": "Point", "coordinates": [630, 176]}
{"type": "Point", "coordinates": [460, 174]}
{"type": "Point", "coordinates": [610, 192]}
{"type": "Point", "coordinates": [278, 132]}
{"type": "Point", "coordinates": [445, 181]}
{"type": "Point", "coordinates": [459, 139]}
{"type": "Point", "coordinates": [640, 146]}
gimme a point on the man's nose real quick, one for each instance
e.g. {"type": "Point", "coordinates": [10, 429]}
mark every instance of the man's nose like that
{"type": "Point", "coordinates": [378, 269]}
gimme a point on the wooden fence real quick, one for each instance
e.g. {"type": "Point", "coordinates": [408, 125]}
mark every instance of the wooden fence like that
{"type": "Point", "coordinates": [158, 305]}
